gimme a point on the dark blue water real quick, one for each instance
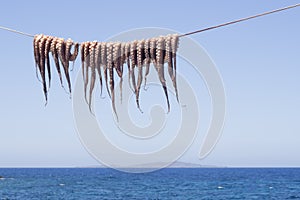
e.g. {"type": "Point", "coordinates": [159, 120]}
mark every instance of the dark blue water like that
{"type": "Point", "coordinates": [163, 184]}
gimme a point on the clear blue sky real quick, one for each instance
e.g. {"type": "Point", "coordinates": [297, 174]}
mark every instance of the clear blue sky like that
{"type": "Point", "coordinates": [259, 62]}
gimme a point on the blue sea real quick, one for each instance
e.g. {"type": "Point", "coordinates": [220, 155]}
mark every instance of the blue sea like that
{"type": "Point", "coordinates": [200, 183]}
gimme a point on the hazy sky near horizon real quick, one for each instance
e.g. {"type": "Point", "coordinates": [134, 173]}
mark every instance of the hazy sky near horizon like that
{"type": "Point", "coordinates": [259, 61]}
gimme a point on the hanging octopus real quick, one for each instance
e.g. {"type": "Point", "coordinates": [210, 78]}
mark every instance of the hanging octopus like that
{"type": "Point", "coordinates": [107, 58]}
{"type": "Point", "coordinates": [61, 53]}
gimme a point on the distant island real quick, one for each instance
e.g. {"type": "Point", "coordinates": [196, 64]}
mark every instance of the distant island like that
{"type": "Point", "coordinates": [174, 165]}
{"type": "Point", "coordinates": [191, 165]}
{"type": "Point", "coordinates": [158, 165]}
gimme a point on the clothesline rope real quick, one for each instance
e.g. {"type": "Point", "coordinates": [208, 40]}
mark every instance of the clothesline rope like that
{"type": "Point", "coordinates": [193, 32]}
{"type": "Point", "coordinates": [15, 31]}
{"type": "Point", "coordinates": [240, 20]}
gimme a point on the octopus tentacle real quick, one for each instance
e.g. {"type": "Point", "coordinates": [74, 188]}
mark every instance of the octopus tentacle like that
{"type": "Point", "coordinates": [98, 64]}
{"type": "Point", "coordinates": [140, 59]}
{"type": "Point", "coordinates": [68, 46]}
{"type": "Point", "coordinates": [61, 46]}
{"type": "Point", "coordinates": [153, 51]}
{"type": "Point", "coordinates": [55, 56]}
{"type": "Point", "coordinates": [64, 53]}
{"type": "Point", "coordinates": [87, 63]}
{"type": "Point", "coordinates": [169, 60]}
{"type": "Point", "coordinates": [42, 65]}
{"type": "Point", "coordinates": [117, 59]}
{"type": "Point", "coordinates": [122, 57]}
{"type": "Point", "coordinates": [110, 66]}
{"type": "Point", "coordinates": [36, 48]}
{"type": "Point", "coordinates": [121, 89]}
{"type": "Point", "coordinates": [47, 50]}
{"type": "Point", "coordinates": [127, 59]}
{"type": "Point", "coordinates": [147, 60]}
{"type": "Point", "coordinates": [93, 71]}
{"type": "Point", "coordinates": [82, 48]}
{"type": "Point", "coordinates": [160, 54]}
{"type": "Point", "coordinates": [122, 61]}
{"type": "Point", "coordinates": [104, 64]}
{"type": "Point", "coordinates": [133, 58]}
{"type": "Point", "coordinates": [174, 47]}
{"type": "Point", "coordinates": [73, 55]}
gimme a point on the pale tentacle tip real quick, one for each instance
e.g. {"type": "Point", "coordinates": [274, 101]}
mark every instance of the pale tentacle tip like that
{"type": "Point", "coordinates": [177, 100]}
{"type": "Point", "coordinates": [86, 101]}
{"type": "Point", "coordinates": [46, 103]}
{"type": "Point", "coordinates": [168, 110]}
{"type": "Point", "coordinates": [72, 69]}
{"type": "Point", "coordinates": [117, 118]}
{"type": "Point", "coordinates": [102, 97]}
{"type": "Point", "coordinates": [145, 87]}
{"type": "Point", "coordinates": [142, 112]}
{"type": "Point", "coordinates": [64, 89]}
{"type": "Point", "coordinates": [91, 111]}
